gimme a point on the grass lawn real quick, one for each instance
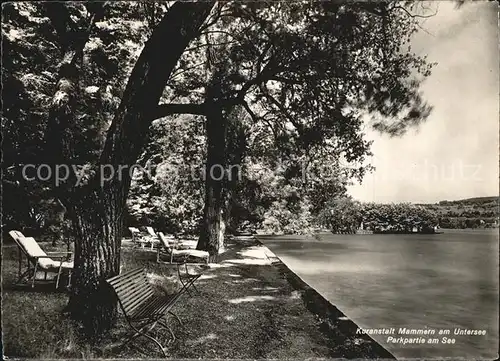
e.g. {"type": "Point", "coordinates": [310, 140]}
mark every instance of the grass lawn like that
{"type": "Point", "coordinates": [247, 309]}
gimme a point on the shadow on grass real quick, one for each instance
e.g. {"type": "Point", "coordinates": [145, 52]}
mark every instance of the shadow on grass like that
{"type": "Point", "coordinates": [40, 287]}
{"type": "Point", "coordinates": [246, 309]}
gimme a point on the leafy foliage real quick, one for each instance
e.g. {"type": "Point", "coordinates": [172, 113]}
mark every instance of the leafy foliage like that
{"type": "Point", "coordinates": [169, 194]}
{"type": "Point", "coordinates": [345, 215]}
{"type": "Point", "coordinates": [341, 215]}
{"type": "Point", "coordinates": [38, 40]}
{"type": "Point", "coordinates": [307, 75]}
{"type": "Point", "coordinates": [467, 213]}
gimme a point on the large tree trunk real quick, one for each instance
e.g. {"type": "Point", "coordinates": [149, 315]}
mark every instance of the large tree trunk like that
{"type": "Point", "coordinates": [97, 222]}
{"type": "Point", "coordinates": [97, 209]}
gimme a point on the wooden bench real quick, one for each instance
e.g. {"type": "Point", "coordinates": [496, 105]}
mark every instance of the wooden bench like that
{"type": "Point", "coordinates": [142, 308]}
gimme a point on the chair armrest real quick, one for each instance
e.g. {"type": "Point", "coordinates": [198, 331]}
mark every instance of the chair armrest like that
{"type": "Point", "coordinates": [54, 258]}
{"type": "Point", "coordinates": [67, 255]}
{"type": "Point", "coordinates": [198, 264]}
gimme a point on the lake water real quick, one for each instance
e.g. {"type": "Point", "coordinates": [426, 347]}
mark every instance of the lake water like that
{"type": "Point", "coordinates": [440, 282]}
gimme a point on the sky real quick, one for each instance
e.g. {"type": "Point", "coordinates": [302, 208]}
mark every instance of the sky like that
{"type": "Point", "coordinates": [455, 153]}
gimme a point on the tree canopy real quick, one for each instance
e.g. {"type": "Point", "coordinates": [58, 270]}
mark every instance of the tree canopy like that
{"type": "Point", "coordinates": [283, 90]}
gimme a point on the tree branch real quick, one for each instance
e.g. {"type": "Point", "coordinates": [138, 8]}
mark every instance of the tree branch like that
{"type": "Point", "coordinates": [127, 133]}
{"type": "Point", "coordinates": [282, 109]}
{"type": "Point", "coordinates": [249, 111]}
{"type": "Point", "coordinates": [176, 73]}
{"type": "Point", "coordinates": [414, 15]}
{"type": "Point", "coordinates": [205, 45]}
{"type": "Point", "coordinates": [164, 110]}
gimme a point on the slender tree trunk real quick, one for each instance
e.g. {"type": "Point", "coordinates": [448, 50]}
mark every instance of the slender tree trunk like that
{"type": "Point", "coordinates": [225, 150]}
{"type": "Point", "coordinates": [228, 205]}
{"type": "Point", "coordinates": [213, 227]}
{"type": "Point", "coordinates": [236, 150]}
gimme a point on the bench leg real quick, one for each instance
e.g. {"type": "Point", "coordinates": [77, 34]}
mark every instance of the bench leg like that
{"type": "Point", "coordinates": [164, 324]}
{"type": "Point", "coordinates": [177, 317]}
{"type": "Point", "coordinates": [135, 335]}
{"type": "Point", "coordinates": [141, 332]}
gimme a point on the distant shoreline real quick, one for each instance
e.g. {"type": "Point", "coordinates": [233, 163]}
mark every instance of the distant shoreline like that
{"type": "Point", "coordinates": [319, 232]}
{"type": "Point", "coordinates": [407, 232]}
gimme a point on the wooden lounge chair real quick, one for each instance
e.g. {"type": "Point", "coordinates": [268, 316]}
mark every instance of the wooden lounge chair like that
{"type": "Point", "coordinates": [134, 232]}
{"type": "Point", "coordinates": [151, 232]}
{"type": "Point", "coordinates": [142, 240]}
{"type": "Point", "coordinates": [38, 260]}
{"type": "Point", "coordinates": [182, 255]}
{"type": "Point", "coordinates": [142, 309]}
{"type": "Point", "coordinates": [177, 243]}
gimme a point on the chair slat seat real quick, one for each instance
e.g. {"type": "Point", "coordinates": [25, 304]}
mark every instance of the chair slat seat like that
{"type": "Point", "coordinates": [155, 306]}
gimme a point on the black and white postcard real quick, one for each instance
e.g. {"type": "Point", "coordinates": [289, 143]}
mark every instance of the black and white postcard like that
{"type": "Point", "coordinates": [250, 179]}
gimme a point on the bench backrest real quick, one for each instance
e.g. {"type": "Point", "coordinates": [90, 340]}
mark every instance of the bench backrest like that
{"type": "Point", "coordinates": [132, 289]}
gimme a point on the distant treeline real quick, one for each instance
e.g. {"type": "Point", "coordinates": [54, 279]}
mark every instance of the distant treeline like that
{"type": "Point", "coordinates": [345, 215]}
{"type": "Point", "coordinates": [467, 213]}
{"type": "Point", "coordinates": [461, 223]}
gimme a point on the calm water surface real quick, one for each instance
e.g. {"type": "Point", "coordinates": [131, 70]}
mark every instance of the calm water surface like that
{"type": "Point", "coordinates": [441, 281]}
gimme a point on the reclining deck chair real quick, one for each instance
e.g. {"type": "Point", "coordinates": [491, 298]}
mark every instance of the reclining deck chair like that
{"type": "Point", "coordinates": [135, 233]}
{"type": "Point", "coordinates": [152, 237]}
{"type": "Point", "coordinates": [151, 232]}
{"type": "Point", "coordinates": [38, 260]}
{"type": "Point", "coordinates": [177, 243]}
{"type": "Point", "coordinates": [140, 239]}
{"type": "Point", "coordinates": [183, 254]}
